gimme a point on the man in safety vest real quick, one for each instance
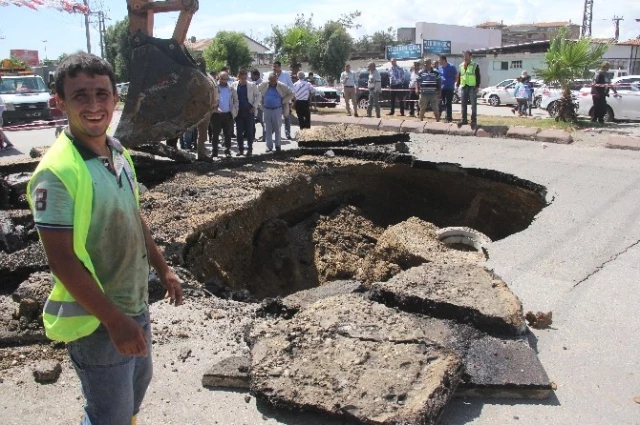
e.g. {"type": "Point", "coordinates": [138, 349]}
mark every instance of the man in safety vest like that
{"type": "Point", "coordinates": [84, 198]}
{"type": "Point", "coordinates": [468, 80]}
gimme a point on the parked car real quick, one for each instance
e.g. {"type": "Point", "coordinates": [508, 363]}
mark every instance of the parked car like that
{"type": "Point", "coordinates": [502, 93]}
{"type": "Point", "coordinates": [625, 105]}
{"type": "Point", "coordinates": [26, 98]}
{"type": "Point", "coordinates": [326, 96]}
{"type": "Point", "coordinates": [550, 95]}
{"type": "Point", "coordinates": [123, 89]}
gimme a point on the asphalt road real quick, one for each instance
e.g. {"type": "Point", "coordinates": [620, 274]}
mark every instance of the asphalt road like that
{"type": "Point", "coordinates": [580, 258]}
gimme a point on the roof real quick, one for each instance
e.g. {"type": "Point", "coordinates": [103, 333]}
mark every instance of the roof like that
{"type": "Point", "coordinates": [539, 46]}
{"type": "Point", "coordinates": [489, 24]}
{"type": "Point", "coordinates": [546, 24]}
{"type": "Point", "coordinates": [202, 44]}
{"type": "Point", "coordinates": [632, 42]}
{"type": "Point", "coordinates": [604, 40]}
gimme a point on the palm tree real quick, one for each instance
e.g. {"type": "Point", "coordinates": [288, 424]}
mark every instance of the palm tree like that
{"type": "Point", "coordinates": [567, 60]}
{"type": "Point", "coordinates": [292, 45]}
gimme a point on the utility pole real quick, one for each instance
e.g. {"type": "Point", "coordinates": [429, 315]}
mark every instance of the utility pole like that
{"type": "Point", "coordinates": [616, 22]}
{"type": "Point", "coordinates": [86, 26]}
{"type": "Point", "coordinates": [100, 26]}
{"type": "Point", "coordinates": [587, 18]}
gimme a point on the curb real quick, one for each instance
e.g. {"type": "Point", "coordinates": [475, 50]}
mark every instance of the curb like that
{"type": "Point", "coordinates": [491, 131]}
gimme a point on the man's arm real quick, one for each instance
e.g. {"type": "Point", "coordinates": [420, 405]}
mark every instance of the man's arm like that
{"type": "Point", "coordinates": [167, 277]}
{"type": "Point", "coordinates": [457, 79]}
{"type": "Point", "coordinates": [477, 76]}
{"type": "Point", "coordinates": [125, 333]}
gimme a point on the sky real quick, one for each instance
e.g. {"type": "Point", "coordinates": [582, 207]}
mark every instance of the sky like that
{"type": "Point", "coordinates": [60, 32]}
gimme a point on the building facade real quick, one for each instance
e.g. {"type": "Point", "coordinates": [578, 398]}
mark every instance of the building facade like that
{"type": "Point", "coordinates": [261, 53]}
{"type": "Point", "coordinates": [461, 38]}
{"type": "Point", "coordinates": [525, 33]}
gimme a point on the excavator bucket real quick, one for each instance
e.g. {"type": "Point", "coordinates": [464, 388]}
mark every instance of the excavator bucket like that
{"type": "Point", "coordinates": [167, 92]}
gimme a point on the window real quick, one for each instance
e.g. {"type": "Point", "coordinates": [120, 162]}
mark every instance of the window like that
{"type": "Point", "coordinates": [500, 66]}
{"type": "Point", "coordinates": [516, 64]}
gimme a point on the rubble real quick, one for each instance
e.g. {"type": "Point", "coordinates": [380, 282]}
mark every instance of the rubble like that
{"type": "Point", "coordinates": [232, 372]}
{"type": "Point", "coordinates": [345, 135]}
{"type": "Point", "coordinates": [539, 320]}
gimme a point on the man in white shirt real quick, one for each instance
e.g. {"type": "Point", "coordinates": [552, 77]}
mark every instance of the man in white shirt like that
{"type": "Point", "coordinates": [413, 96]}
{"type": "Point", "coordinates": [302, 92]}
{"type": "Point", "coordinates": [285, 78]}
{"type": "Point", "coordinates": [349, 85]}
{"type": "Point", "coordinates": [374, 83]}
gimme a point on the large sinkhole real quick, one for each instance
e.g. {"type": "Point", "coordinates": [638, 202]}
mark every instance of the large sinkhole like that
{"type": "Point", "coordinates": [322, 226]}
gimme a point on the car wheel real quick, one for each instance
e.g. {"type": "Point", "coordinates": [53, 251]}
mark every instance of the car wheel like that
{"type": "Point", "coordinates": [537, 102]}
{"type": "Point", "coordinates": [494, 100]}
{"type": "Point", "coordinates": [363, 103]}
{"type": "Point", "coordinates": [608, 117]}
{"type": "Point", "coordinates": [552, 109]}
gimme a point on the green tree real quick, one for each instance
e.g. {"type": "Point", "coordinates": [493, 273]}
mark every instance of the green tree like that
{"type": "Point", "coordinates": [567, 60]}
{"type": "Point", "coordinates": [331, 50]}
{"type": "Point", "coordinates": [118, 49]}
{"type": "Point", "coordinates": [381, 39]}
{"type": "Point", "coordinates": [292, 44]}
{"type": "Point", "coordinates": [228, 48]}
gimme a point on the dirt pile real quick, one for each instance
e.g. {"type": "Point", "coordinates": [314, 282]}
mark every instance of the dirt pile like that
{"type": "Point", "coordinates": [345, 135]}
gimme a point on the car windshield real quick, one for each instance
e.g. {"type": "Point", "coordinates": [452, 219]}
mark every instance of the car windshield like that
{"type": "Point", "coordinates": [22, 85]}
{"type": "Point", "coordinates": [504, 83]}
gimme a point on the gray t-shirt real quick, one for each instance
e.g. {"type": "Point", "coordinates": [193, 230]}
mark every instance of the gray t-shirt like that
{"type": "Point", "coordinates": [115, 241]}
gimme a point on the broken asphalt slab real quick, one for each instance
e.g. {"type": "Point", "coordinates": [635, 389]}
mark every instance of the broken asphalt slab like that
{"type": "Point", "coordinates": [346, 356]}
{"type": "Point", "coordinates": [465, 293]}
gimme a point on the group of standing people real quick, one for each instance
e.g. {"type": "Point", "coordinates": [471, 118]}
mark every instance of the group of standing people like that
{"type": "Point", "coordinates": [242, 102]}
{"type": "Point", "coordinates": [429, 86]}
{"type": "Point", "coordinates": [523, 92]}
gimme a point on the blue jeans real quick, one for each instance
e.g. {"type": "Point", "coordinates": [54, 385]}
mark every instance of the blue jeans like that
{"type": "Point", "coordinates": [468, 94]}
{"type": "Point", "coordinates": [113, 385]}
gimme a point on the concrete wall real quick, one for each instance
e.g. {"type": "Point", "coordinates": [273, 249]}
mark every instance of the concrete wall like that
{"type": "Point", "coordinates": [622, 57]}
{"type": "Point", "coordinates": [462, 38]}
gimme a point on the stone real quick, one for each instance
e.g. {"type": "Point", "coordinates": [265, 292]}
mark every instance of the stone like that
{"type": "Point", "coordinates": [18, 182]}
{"type": "Point", "coordinates": [185, 353]}
{"type": "Point", "coordinates": [47, 371]}
{"type": "Point", "coordinates": [350, 357]}
{"type": "Point", "coordinates": [492, 131]}
{"type": "Point", "coordinates": [462, 130]}
{"type": "Point", "coordinates": [303, 299]}
{"type": "Point", "coordinates": [340, 134]}
{"type": "Point", "coordinates": [390, 125]}
{"type": "Point", "coordinates": [524, 133]}
{"type": "Point", "coordinates": [402, 147]}
{"type": "Point", "coordinates": [623, 142]}
{"type": "Point", "coordinates": [29, 308]}
{"type": "Point", "coordinates": [438, 127]}
{"type": "Point", "coordinates": [369, 122]}
{"type": "Point", "coordinates": [409, 126]}
{"type": "Point", "coordinates": [37, 287]}
{"type": "Point", "coordinates": [554, 136]}
{"type": "Point", "coordinates": [539, 320]}
{"type": "Point", "coordinates": [465, 293]}
{"type": "Point", "coordinates": [504, 368]}
{"type": "Point", "coordinates": [232, 372]}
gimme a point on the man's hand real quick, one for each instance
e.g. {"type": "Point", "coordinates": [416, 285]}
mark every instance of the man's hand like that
{"type": "Point", "coordinates": [173, 286]}
{"type": "Point", "coordinates": [127, 336]}
{"type": "Point", "coordinates": [252, 110]}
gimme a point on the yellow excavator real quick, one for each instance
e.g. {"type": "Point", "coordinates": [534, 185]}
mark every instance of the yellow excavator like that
{"type": "Point", "coordinates": [168, 92]}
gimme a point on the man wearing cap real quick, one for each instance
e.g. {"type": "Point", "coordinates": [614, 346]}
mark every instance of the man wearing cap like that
{"type": "Point", "coordinates": [600, 92]}
{"type": "Point", "coordinates": [468, 80]}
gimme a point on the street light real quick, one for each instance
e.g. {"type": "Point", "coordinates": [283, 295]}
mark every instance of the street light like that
{"type": "Point", "coordinates": [45, 49]}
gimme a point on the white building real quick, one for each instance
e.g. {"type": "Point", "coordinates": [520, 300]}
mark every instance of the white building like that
{"type": "Point", "coordinates": [461, 38]}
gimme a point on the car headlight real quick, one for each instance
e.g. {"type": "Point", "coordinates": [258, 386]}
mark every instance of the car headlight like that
{"type": "Point", "coordinates": [9, 107]}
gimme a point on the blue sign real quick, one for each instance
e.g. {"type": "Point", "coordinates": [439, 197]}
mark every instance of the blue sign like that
{"type": "Point", "coordinates": [438, 47]}
{"type": "Point", "coordinates": [408, 51]}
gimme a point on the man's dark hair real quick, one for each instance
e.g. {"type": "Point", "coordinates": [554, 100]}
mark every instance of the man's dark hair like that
{"type": "Point", "coordinates": [82, 62]}
{"type": "Point", "coordinates": [224, 69]}
{"type": "Point", "coordinates": [242, 71]}
{"type": "Point", "coordinates": [254, 72]}
{"type": "Point", "coordinates": [278, 63]}
{"type": "Point", "coordinates": [443, 58]}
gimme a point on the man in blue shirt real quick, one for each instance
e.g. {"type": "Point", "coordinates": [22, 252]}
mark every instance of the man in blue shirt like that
{"type": "Point", "coordinates": [448, 74]}
{"type": "Point", "coordinates": [285, 78]}
{"type": "Point", "coordinates": [222, 118]}
{"type": "Point", "coordinates": [276, 98]}
{"type": "Point", "coordinates": [396, 83]}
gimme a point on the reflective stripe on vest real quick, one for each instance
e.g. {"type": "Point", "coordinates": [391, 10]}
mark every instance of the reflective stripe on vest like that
{"type": "Point", "coordinates": [64, 319]}
{"type": "Point", "coordinates": [468, 76]}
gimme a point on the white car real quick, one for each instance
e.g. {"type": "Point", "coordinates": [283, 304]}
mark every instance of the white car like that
{"type": "Point", "coordinates": [547, 97]}
{"type": "Point", "coordinates": [26, 98]}
{"type": "Point", "coordinates": [502, 94]}
{"type": "Point", "coordinates": [625, 105]}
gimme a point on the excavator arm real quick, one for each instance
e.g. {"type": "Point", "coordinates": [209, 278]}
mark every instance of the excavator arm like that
{"type": "Point", "coordinates": [168, 93]}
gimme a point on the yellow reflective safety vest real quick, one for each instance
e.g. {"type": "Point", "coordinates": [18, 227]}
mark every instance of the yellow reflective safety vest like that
{"type": "Point", "coordinates": [64, 319]}
{"type": "Point", "coordinates": [468, 76]}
